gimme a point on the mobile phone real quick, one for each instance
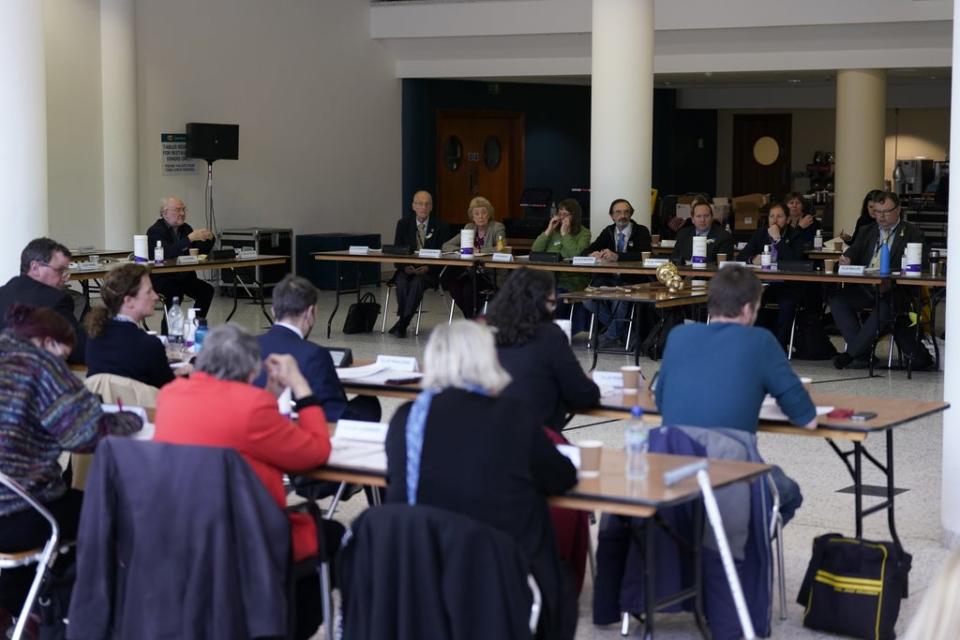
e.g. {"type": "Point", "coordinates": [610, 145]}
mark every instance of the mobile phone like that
{"type": "Point", "coordinates": [861, 416]}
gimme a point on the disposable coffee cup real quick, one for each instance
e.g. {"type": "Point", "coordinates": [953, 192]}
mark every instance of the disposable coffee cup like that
{"type": "Point", "coordinates": [631, 378]}
{"type": "Point", "coordinates": [590, 453]}
{"type": "Point", "coordinates": [194, 252]}
{"type": "Point", "coordinates": [838, 245]}
{"type": "Point", "coordinates": [721, 258]}
{"type": "Point", "coordinates": [829, 265]}
{"type": "Point", "coordinates": [645, 255]}
{"type": "Point", "coordinates": [655, 239]}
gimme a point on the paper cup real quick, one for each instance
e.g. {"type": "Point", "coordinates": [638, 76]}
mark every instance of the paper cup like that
{"type": "Point", "coordinates": [838, 245]}
{"type": "Point", "coordinates": [631, 378]}
{"type": "Point", "coordinates": [645, 255]}
{"type": "Point", "coordinates": [829, 265]}
{"type": "Point", "coordinates": [195, 252]}
{"type": "Point", "coordinates": [655, 239]}
{"type": "Point", "coordinates": [590, 453]}
{"type": "Point", "coordinates": [721, 258]}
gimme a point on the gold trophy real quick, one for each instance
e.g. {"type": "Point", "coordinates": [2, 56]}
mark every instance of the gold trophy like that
{"type": "Point", "coordinates": [668, 276]}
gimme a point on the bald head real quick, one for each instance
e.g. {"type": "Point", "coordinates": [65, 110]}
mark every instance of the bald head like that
{"type": "Point", "coordinates": [173, 211]}
{"type": "Point", "coordinates": [422, 205]}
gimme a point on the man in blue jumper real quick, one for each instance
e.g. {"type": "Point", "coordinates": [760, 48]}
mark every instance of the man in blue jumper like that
{"type": "Point", "coordinates": [739, 364]}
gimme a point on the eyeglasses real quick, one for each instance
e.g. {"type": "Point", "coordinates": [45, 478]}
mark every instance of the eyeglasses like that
{"type": "Point", "coordinates": [63, 271]}
{"type": "Point", "coordinates": [420, 203]}
{"type": "Point", "coordinates": [177, 209]}
{"type": "Point", "coordinates": [883, 212]}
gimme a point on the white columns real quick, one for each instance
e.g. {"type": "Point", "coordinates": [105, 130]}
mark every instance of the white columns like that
{"type": "Point", "coordinates": [118, 60]}
{"type": "Point", "coordinates": [621, 128]}
{"type": "Point", "coordinates": [861, 129]}
{"type": "Point", "coordinates": [950, 480]}
{"type": "Point", "coordinates": [23, 129]}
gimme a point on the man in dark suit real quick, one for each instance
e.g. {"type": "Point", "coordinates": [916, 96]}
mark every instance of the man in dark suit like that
{"type": "Point", "coordinates": [294, 305]}
{"type": "Point", "coordinates": [177, 238]}
{"type": "Point", "coordinates": [718, 240]}
{"type": "Point", "coordinates": [419, 231]}
{"type": "Point", "coordinates": [44, 271]}
{"type": "Point", "coordinates": [850, 300]}
{"type": "Point", "coordinates": [624, 240]}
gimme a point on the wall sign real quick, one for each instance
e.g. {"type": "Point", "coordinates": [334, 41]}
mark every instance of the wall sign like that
{"type": "Point", "coordinates": [173, 152]}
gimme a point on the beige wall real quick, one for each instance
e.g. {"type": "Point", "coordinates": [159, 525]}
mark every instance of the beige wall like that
{"type": "Point", "coordinates": [74, 126]}
{"type": "Point", "coordinates": [316, 100]}
{"type": "Point", "coordinates": [922, 132]}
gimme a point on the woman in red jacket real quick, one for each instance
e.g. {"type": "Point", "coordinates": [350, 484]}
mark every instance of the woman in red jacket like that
{"type": "Point", "coordinates": [217, 406]}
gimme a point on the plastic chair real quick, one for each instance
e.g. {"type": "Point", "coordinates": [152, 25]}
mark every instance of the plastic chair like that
{"type": "Point", "coordinates": [43, 557]}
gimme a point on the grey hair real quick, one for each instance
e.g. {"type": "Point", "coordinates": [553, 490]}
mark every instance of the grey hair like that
{"type": "Point", "coordinates": [292, 296]}
{"type": "Point", "coordinates": [165, 201]}
{"type": "Point", "coordinates": [40, 250]}
{"type": "Point", "coordinates": [463, 355]}
{"type": "Point", "coordinates": [229, 353]}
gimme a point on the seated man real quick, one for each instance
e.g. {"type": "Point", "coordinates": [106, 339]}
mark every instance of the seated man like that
{"type": "Point", "coordinates": [177, 238]}
{"type": "Point", "coordinates": [419, 231]}
{"type": "Point", "coordinates": [624, 240]}
{"type": "Point", "coordinates": [294, 306]}
{"type": "Point", "coordinates": [851, 299]}
{"type": "Point", "coordinates": [42, 282]}
{"type": "Point", "coordinates": [718, 240]}
{"type": "Point", "coordinates": [742, 363]}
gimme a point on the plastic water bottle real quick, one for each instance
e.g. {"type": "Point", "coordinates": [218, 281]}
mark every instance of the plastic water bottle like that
{"type": "Point", "coordinates": [818, 241]}
{"type": "Point", "coordinates": [200, 334]}
{"type": "Point", "coordinates": [884, 259]}
{"type": "Point", "coordinates": [765, 258]}
{"type": "Point", "coordinates": [175, 322]}
{"type": "Point", "coordinates": [158, 253]}
{"type": "Point", "coordinates": [636, 445]}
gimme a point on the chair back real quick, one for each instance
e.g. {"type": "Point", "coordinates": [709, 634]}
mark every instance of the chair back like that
{"type": "Point", "coordinates": [405, 569]}
{"type": "Point", "coordinates": [178, 541]}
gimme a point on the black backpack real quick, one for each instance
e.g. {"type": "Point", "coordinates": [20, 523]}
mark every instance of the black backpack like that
{"type": "Point", "coordinates": [810, 341]}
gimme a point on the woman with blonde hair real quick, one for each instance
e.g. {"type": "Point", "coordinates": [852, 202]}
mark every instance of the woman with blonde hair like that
{"type": "Point", "coordinates": [938, 617]}
{"type": "Point", "coordinates": [462, 447]}
{"type": "Point", "coordinates": [116, 342]}
{"type": "Point", "coordinates": [458, 280]}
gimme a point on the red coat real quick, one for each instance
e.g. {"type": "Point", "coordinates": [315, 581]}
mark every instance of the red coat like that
{"type": "Point", "coordinates": [204, 410]}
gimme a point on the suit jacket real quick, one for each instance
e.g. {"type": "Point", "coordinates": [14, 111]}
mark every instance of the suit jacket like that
{"type": "Point", "coordinates": [23, 289]}
{"type": "Point", "coordinates": [406, 234]}
{"type": "Point", "coordinates": [207, 559]}
{"type": "Point", "coordinates": [175, 242]}
{"type": "Point", "coordinates": [790, 247]}
{"type": "Point", "coordinates": [124, 349]}
{"type": "Point", "coordinates": [206, 411]}
{"type": "Point", "coordinates": [315, 364]}
{"type": "Point", "coordinates": [548, 375]}
{"type": "Point", "coordinates": [494, 230]}
{"type": "Point", "coordinates": [639, 242]}
{"type": "Point", "coordinates": [718, 241]}
{"type": "Point", "coordinates": [488, 458]}
{"type": "Point", "coordinates": [861, 251]}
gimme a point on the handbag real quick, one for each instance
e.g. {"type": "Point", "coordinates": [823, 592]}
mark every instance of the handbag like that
{"type": "Point", "coordinates": [853, 587]}
{"type": "Point", "coordinates": [362, 315]}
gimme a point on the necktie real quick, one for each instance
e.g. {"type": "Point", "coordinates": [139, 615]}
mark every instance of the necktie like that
{"type": "Point", "coordinates": [621, 243]}
{"type": "Point", "coordinates": [421, 235]}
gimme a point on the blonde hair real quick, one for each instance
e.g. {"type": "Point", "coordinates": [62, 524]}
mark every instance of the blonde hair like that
{"type": "Point", "coordinates": [938, 616]}
{"type": "Point", "coordinates": [476, 203]}
{"type": "Point", "coordinates": [463, 355]}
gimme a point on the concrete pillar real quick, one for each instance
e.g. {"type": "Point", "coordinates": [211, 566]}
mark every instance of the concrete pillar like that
{"type": "Point", "coordinates": [118, 59]}
{"type": "Point", "coordinates": [23, 129]}
{"type": "Point", "coordinates": [621, 127]}
{"type": "Point", "coordinates": [950, 479]}
{"type": "Point", "coordinates": [861, 129]}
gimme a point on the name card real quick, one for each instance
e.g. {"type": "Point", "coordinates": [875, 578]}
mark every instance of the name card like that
{"type": "Point", "coordinates": [86, 248]}
{"type": "Point", "coordinates": [430, 253]}
{"type": "Point", "coordinates": [188, 259]}
{"type": "Point", "coordinates": [359, 250]}
{"type": "Point", "coordinates": [850, 270]}
{"type": "Point", "coordinates": [88, 266]}
{"type": "Point", "coordinates": [247, 253]}
{"type": "Point", "coordinates": [503, 257]}
{"type": "Point", "coordinates": [608, 379]}
{"type": "Point", "coordinates": [730, 263]}
{"type": "Point", "coordinates": [584, 260]}
{"type": "Point", "coordinates": [362, 431]}
{"type": "Point", "coordinates": [655, 262]}
{"type": "Point", "coordinates": [399, 363]}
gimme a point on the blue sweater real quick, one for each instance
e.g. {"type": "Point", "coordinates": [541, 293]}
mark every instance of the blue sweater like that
{"type": "Point", "coordinates": [716, 375]}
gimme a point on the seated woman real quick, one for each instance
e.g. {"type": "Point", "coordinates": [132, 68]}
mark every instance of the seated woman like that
{"type": "Point", "coordinates": [219, 407]}
{"type": "Point", "coordinates": [785, 244]}
{"type": "Point", "coordinates": [46, 411]}
{"type": "Point", "coordinates": [116, 343]}
{"type": "Point", "coordinates": [566, 235]}
{"type": "Point", "coordinates": [800, 220]}
{"type": "Point", "coordinates": [483, 455]}
{"type": "Point", "coordinates": [535, 351]}
{"type": "Point", "coordinates": [487, 231]}
{"type": "Point", "coordinates": [867, 215]}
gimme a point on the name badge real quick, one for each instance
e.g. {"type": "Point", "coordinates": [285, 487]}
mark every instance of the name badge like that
{"type": "Point", "coordinates": [399, 363]}
{"type": "Point", "coordinates": [362, 431]}
{"type": "Point", "coordinates": [584, 260]}
{"type": "Point", "coordinates": [247, 253]}
{"type": "Point", "coordinates": [503, 257]}
{"type": "Point", "coordinates": [189, 260]}
{"type": "Point", "coordinates": [655, 262]}
{"type": "Point", "coordinates": [850, 270]}
{"type": "Point", "coordinates": [430, 253]}
{"type": "Point", "coordinates": [359, 250]}
{"type": "Point", "coordinates": [730, 263]}
{"type": "Point", "coordinates": [608, 379]}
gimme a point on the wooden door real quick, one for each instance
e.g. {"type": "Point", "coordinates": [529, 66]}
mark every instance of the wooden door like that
{"type": "Point", "coordinates": [761, 154]}
{"type": "Point", "coordinates": [479, 153]}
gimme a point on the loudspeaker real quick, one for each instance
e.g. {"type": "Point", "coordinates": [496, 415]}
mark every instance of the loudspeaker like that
{"type": "Point", "coordinates": [212, 142]}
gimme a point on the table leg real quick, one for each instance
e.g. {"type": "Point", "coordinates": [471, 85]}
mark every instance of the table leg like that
{"type": "Point", "coordinates": [236, 294]}
{"type": "Point", "coordinates": [649, 584]}
{"type": "Point", "coordinates": [336, 305]}
{"type": "Point", "coordinates": [594, 338]}
{"type": "Point", "coordinates": [876, 337]}
{"type": "Point", "coordinates": [263, 302]}
{"type": "Point", "coordinates": [636, 334]}
{"type": "Point", "coordinates": [698, 612]}
{"type": "Point", "coordinates": [858, 487]}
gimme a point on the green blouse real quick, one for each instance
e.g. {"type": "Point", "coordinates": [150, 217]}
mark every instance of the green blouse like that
{"type": "Point", "coordinates": [567, 246]}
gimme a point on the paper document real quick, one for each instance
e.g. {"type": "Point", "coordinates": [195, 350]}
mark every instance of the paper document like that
{"type": "Point", "coordinates": [770, 410]}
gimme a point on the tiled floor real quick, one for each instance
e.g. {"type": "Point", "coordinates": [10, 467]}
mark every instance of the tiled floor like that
{"type": "Point", "coordinates": [808, 460]}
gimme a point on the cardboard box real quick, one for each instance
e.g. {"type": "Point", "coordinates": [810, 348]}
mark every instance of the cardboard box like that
{"type": "Point", "coordinates": [746, 210]}
{"type": "Point", "coordinates": [683, 211]}
{"type": "Point", "coordinates": [721, 209]}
